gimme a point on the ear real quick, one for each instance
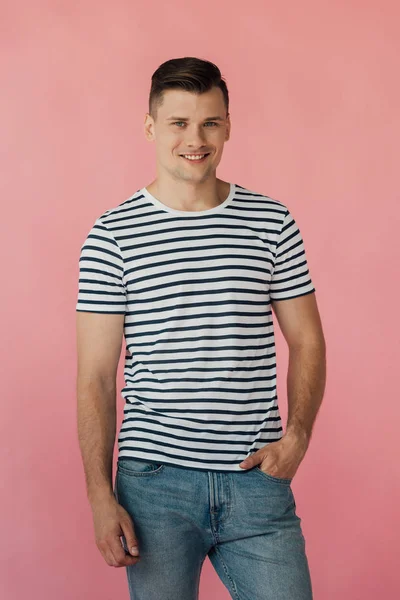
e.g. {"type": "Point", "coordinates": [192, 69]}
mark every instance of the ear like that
{"type": "Point", "coordinates": [228, 128]}
{"type": "Point", "coordinates": [149, 127]}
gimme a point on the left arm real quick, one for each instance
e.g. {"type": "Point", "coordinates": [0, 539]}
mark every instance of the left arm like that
{"type": "Point", "coordinates": [301, 327]}
{"type": "Point", "coordinates": [306, 379]}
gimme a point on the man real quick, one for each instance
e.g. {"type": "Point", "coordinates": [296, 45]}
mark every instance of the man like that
{"type": "Point", "coordinates": [188, 270]}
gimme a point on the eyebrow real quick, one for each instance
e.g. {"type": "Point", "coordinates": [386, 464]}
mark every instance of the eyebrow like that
{"type": "Point", "coordinates": [185, 119]}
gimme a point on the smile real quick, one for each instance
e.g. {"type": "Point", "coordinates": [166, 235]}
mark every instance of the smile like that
{"type": "Point", "coordinates": [195, 158]}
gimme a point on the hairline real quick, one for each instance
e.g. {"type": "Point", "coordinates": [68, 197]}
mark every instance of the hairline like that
{"type": "Point", "coordinates": [218, 118]}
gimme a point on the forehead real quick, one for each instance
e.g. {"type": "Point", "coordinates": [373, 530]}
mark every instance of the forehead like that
{"type": "Point", "coordinates": [186, 104]}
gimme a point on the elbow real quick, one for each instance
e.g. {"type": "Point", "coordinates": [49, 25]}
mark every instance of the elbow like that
{"type": "Point", "coordinates": [314, 343]}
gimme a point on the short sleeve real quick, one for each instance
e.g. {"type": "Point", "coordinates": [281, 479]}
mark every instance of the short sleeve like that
{"type": "Point", "coordinates": [290, 277]}
{"type": "Point", "coordinates": [101, 285]}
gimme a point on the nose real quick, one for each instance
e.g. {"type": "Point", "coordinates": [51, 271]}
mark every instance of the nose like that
{"type": "Point", "coordinates": [195, 138]}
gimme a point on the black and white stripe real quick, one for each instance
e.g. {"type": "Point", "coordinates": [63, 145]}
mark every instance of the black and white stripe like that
{"type": "Point", "coordinates": [196, 289]}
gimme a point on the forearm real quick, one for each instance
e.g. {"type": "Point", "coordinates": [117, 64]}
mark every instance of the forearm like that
{"type": "Point", "coordinates": [306, 380]}
{"type": "Point", "coordinates": [96, 414]}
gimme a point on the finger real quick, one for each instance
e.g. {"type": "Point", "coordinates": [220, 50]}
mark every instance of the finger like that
{"type": "Point", "coordinates": [114, 553]}
{"type": "Point", "coordinates": [131, 541]}
{"type": "Point", "coordinates": [106, 553]}
{"type": "Point", "coordinates": [246, 464]}
{"type": "Point", "coordinates": [120, 558]}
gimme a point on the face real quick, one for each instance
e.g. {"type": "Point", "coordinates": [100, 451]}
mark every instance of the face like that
{"type": "Point", "coordinates": [189, 123]}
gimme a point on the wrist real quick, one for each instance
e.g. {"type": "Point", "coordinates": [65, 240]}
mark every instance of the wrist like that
{"type": "Point", "coordinates": [298, 435]}
{"type": "Point", "coordinates": [100, 496]}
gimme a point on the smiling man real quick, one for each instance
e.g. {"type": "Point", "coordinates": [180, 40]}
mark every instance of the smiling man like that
{"type": "Point", "coordinates": [190, 270]}
{"type": "Point", "coordinates": [189, 149]}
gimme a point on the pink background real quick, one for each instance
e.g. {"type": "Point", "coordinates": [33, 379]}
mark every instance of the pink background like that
{"type": "Point", "coordinates": [315, 102]}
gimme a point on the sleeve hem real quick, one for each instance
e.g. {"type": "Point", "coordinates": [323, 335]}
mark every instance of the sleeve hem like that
{"type": "Point", "coordinates": [290, 297]}
{"type": "Point", "coordinates": [101, 312]}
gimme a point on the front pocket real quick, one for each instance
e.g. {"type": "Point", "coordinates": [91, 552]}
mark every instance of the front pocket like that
{"type": "Point", "coordinates": [138, 467]}
{"type": "Point", "coordinates": [282, 480]}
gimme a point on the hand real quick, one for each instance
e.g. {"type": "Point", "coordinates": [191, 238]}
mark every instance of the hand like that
{"type": "Point", "coordinates": [111, 521]}
{"type": "Point", "coordinates": [279, 459]}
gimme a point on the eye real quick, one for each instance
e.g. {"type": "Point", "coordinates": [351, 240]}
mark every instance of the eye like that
{"type": "Point", "coordinates": [207, 123]}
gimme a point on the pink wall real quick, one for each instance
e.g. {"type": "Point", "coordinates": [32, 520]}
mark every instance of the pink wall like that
{"type": "Point", "coordinates": [315, 102]}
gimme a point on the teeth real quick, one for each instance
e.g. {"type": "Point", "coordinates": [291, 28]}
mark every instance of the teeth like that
{"type": "Point", "coordinates": [194, 157]}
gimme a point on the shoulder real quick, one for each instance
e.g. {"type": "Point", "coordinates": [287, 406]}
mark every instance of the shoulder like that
{"type": "Point", "coordinates": [123, 209]}
{"type": "Point", "coordinates": [259, 200]}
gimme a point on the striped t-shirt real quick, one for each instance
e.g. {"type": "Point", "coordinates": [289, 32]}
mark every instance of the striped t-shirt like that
{"type": "Point", "coordinates": [195, 288]}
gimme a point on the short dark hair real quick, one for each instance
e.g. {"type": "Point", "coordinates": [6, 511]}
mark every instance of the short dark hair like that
{"type": "Point", "coordinates": [187, 73]}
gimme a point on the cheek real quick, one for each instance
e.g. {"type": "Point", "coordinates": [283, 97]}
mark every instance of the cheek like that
{"type": "Point", "coordinates": [169, 147]}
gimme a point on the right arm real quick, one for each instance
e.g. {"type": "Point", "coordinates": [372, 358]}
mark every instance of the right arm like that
{"type": "Point", "coordinates": [99, 341]}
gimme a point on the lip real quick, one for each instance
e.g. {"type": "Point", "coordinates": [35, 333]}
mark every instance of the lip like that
{"type": "Point", "coordinates": [196, 161]}
{"type": "Point", "coordinates": [194, 153]}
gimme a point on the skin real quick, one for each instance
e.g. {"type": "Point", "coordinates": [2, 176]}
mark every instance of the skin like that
{"type": "Point", "coordinates": [300, 324]}
{"type": "Point", "coordinates": [184, 186]}
{"type": "Point", "coordinates": [180, 184]}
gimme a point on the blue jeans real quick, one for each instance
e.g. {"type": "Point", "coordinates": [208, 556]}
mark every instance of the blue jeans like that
{"type": "Point", "coordinates": [245, 522]}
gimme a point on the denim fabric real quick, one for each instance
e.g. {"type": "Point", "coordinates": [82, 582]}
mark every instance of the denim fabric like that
{"type": "Point", "coordinates": [245, 522]}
